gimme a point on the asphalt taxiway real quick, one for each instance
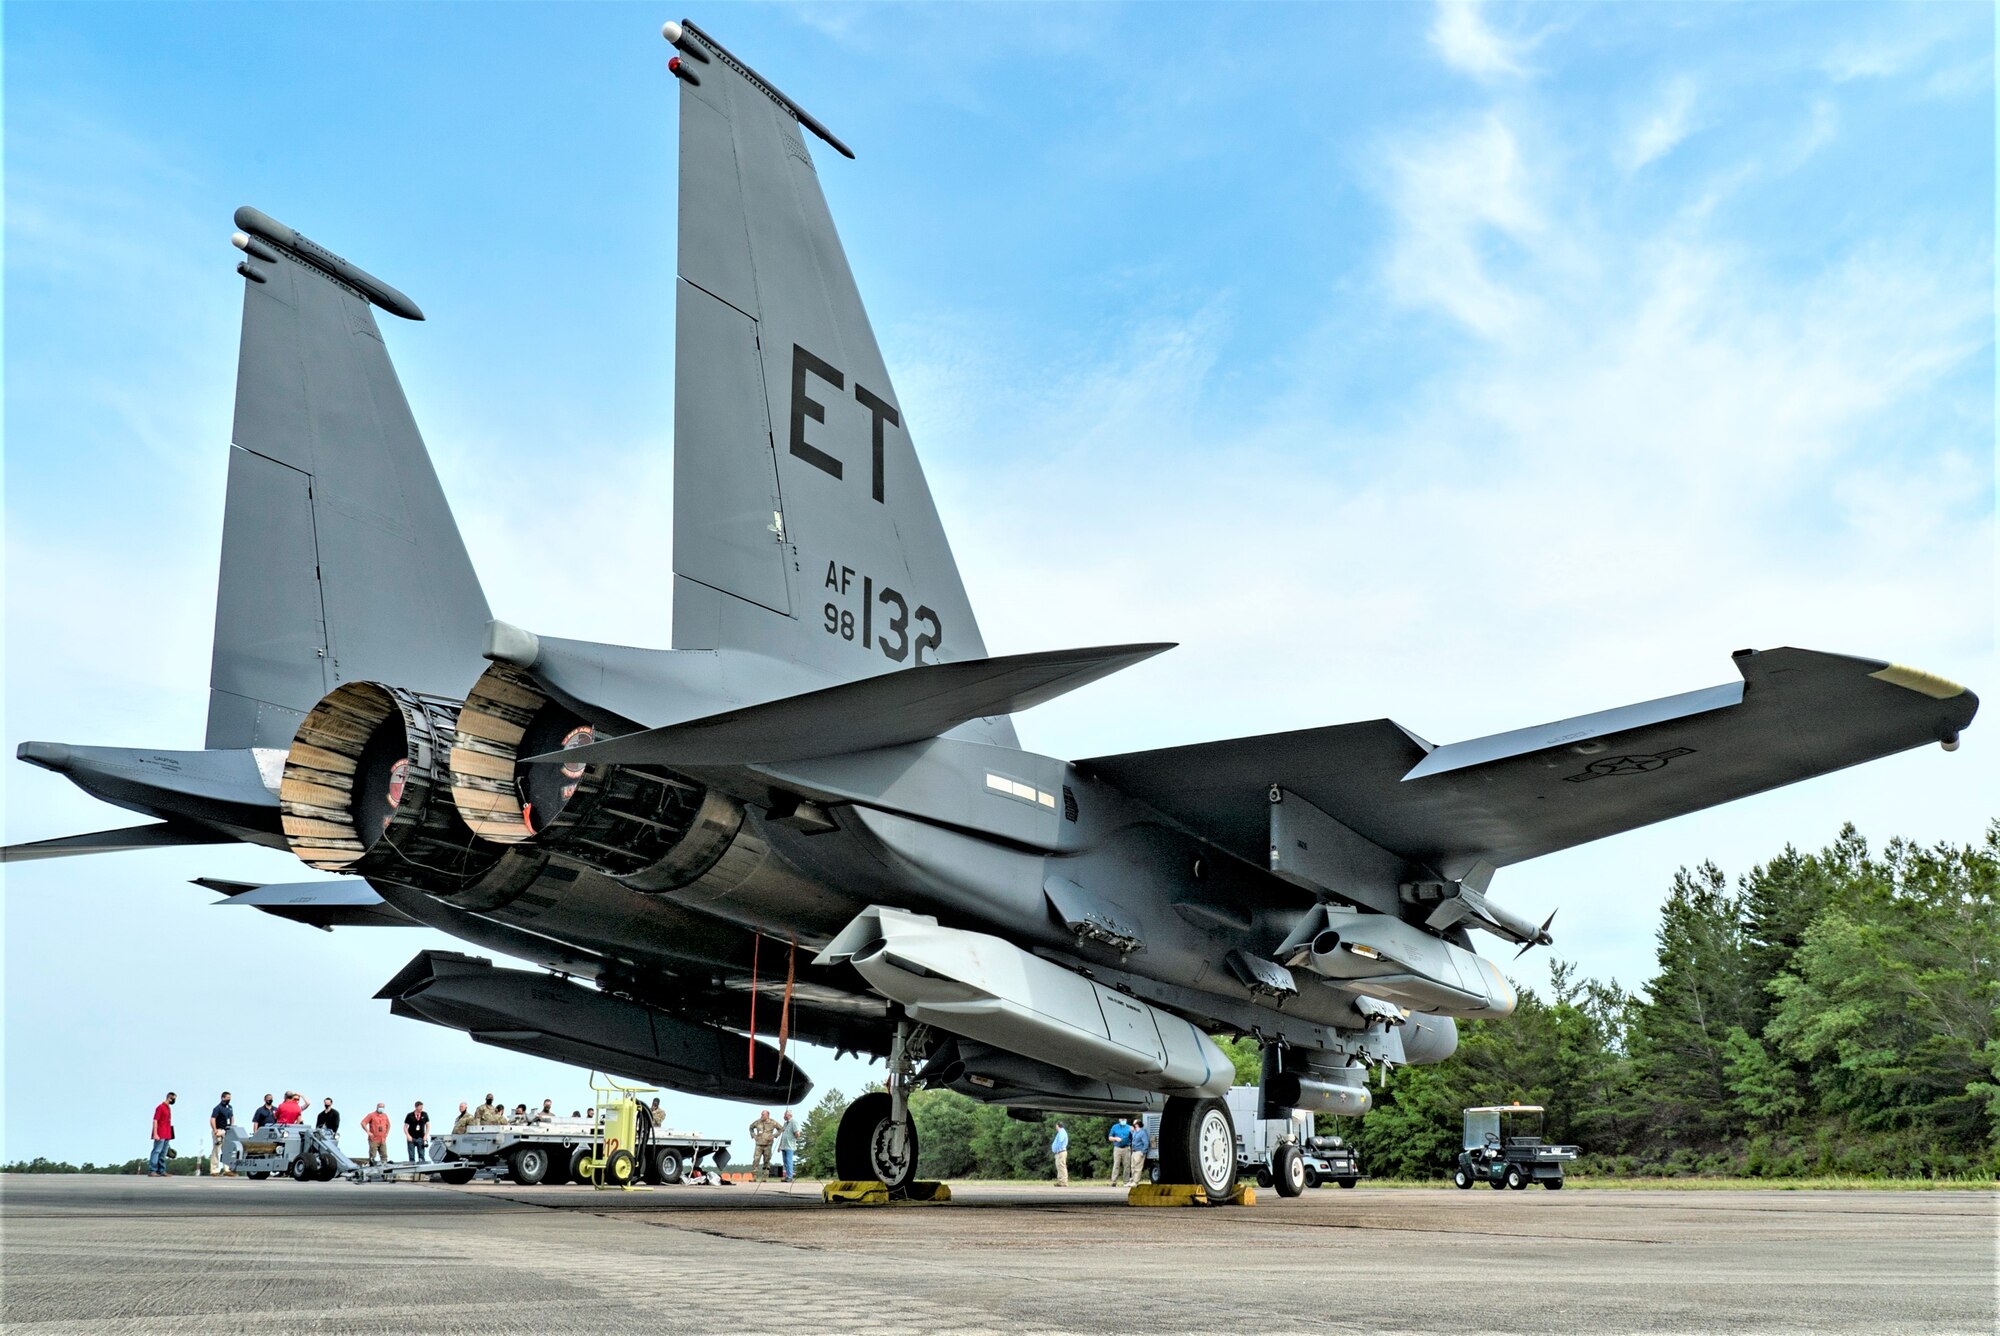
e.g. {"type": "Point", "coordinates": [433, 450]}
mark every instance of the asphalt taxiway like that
{"type": "Point", "coordinates": [97, 1255]}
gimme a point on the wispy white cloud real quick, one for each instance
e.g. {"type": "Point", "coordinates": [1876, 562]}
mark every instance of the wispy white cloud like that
{"type": "Point", "coordinates": [1457, 195]}
{"type": "Point", "coordinates": [1948, 47]}
{"type": "Point", "coordinates": [1666, 449]}
{"type": "Point", "coordinates": [1822, 127]}
{"type": "Point", "coordinates": [1662, 129]}
{"type": "Point", "coordinates": [1465, 41]}
{"type": "Point", "coordinates": [1883, 55]}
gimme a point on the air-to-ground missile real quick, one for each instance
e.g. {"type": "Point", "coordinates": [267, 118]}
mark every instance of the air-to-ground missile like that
{"type": "Point", "coordinates": [981, 987]}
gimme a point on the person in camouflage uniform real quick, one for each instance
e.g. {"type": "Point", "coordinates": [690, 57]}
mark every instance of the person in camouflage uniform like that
{"type": "Point", "coordinates": [762, 1133]}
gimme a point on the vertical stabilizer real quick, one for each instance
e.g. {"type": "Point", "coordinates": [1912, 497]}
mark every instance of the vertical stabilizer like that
{"type": "Point", "coordinates": [340, 558]}
{"type": "Point", "coordinates": [803, 527]}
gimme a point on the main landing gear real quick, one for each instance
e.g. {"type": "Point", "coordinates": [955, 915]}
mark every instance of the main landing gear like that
{"type": "Point", "coordinates": [1198, 1145]}
{"type": "Point", "coordinates": [877, 1138]}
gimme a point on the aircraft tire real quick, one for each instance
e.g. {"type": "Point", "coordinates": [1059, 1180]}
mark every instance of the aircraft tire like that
{"type": "Point", "coordinates": [864, 1149]}
{"type": "Point", "coordinates": [1288, 1171]}
{"type": "Point", "coordinates": [530, 1165]}
{"type": "Point", "coordinates": [1197, 1144]}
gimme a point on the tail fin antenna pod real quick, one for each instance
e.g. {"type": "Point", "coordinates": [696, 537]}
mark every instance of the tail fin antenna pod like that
{"type": "Point", "coordinates": [340, 557]}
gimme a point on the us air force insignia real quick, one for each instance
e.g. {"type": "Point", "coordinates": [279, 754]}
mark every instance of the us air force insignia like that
{"type": "Point", "coordinates": [1626, 765]}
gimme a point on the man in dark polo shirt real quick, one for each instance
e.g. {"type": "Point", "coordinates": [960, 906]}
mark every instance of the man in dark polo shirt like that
{"type": "Point", "coordinates": [417, 1131]}
{"type": "Point", "coordinates": [220, 1119]}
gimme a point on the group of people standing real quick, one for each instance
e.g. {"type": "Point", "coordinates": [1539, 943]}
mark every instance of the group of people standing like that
{"type": "Point", "coordinates": [1130, 1142]}
{"type": "Point", "coordinates": [287, 1112]}
{"type": "Point", "coordinates": [764, 1133]}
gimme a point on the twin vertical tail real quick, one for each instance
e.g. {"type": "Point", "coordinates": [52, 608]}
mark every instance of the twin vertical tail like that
{"type": "Point", "coordinates": [340, 558]}
{"type": "Point", "coordinates": [803, 526]}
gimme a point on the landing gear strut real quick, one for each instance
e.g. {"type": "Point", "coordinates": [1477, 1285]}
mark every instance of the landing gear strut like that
{"type": "Point", "coordinates": [877, 1139]}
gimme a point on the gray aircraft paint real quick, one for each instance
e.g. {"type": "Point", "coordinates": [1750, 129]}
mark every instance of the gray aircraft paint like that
{"type": "Point", "coordinates": [796, 486]}
{"type": "Point", "coordinates": [1193, 880]}
{"type": "Point", "coordinates": [340, 558]}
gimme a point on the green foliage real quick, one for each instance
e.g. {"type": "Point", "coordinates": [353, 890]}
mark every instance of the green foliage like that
{"type": "Point", "coordinates": [180, 1164]}
{"type": "Point", "coordinates": [946, 1123]}
{"type": "Point", "coordinates": [1246, 1054]}
{"type": "Point", "coordinates": [1679, 1039]}
{"type": "Point", "coordinates": [1888, 1004]}
{"type": "Point", "coordinates": [817, 1134]}
{"type": "Point", "coordinates": [1831, 1014]}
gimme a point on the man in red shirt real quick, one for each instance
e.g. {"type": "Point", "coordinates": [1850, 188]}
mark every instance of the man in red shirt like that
{"type": "Point", "coordinates": [376, 1126]}
{"type": "Point", "coordinates": [289, 1108]}
{"type": "Point", "coordinates": [163, 1136]}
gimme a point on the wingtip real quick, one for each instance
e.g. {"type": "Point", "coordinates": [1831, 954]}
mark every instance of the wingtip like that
{"type": "Point", "coordinates": [1919, 681]}
{"type": "Point", "coordinates": [48, 755]}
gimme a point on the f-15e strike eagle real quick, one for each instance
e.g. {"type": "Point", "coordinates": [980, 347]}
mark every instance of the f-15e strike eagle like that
{"type": "Point", "coordinates": [816, 798]}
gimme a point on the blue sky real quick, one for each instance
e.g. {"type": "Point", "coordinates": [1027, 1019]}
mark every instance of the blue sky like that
{"type": "Point", "coordinates": [1473, 366]}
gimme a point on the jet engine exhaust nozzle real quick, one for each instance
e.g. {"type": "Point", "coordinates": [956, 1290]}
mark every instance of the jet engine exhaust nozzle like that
{"type": "Point", "coordinates": [652, 830]}
{"type": "Point", "coordinates": [363, 791]}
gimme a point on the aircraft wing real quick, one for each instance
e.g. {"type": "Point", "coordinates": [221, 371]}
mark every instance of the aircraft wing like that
{"type": "Point", "coordinates": [156, 835]}
{"type": "Point", "coordinates": [1519, 795]}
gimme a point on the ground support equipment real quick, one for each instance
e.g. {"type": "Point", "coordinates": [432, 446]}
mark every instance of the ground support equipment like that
{"type": "Point", "coordinates": [1188, 1194]}
{"type": "Point", "coordinates": [873, 1192]}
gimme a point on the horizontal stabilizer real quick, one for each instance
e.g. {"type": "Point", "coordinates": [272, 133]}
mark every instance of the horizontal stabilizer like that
{"type": "Point", "coordinates": [347, 903]}
{"type": "Point", "coordinates": [1515, 796]}
{"type": "Point", "coordinates": [883, 711]}
{"type": "Point", "coordinates": [158, 835]}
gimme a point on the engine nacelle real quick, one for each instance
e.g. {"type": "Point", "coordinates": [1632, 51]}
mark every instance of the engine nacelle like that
{"type": "Point", "coordinates": [365, 791]}
{"type": "Point", "coordinates": [653, 831]}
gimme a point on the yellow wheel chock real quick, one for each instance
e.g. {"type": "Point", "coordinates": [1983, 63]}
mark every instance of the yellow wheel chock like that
{"type": "Point", "coordinates": [869, 1192]}
{"type": "Point", "coordinates": [1188, 1194]}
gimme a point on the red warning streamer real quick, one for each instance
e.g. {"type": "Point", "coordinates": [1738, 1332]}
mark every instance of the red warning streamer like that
{"type": "Point", "coordinates": [785, 1013]}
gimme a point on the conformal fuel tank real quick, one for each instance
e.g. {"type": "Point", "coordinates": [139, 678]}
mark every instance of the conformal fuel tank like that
{"type": "Point", "coordinates": [984, 988]}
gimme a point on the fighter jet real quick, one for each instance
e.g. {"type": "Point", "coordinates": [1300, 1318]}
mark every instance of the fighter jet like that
{"type": "Point", "coordinates": [811, 819]}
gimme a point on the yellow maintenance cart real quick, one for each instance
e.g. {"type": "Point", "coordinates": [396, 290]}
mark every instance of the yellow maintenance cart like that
{"type": "Point", "coordinates": [624, 1128]}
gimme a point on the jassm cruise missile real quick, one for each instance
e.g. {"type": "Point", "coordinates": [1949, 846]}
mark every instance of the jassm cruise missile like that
{"type": "Point", "coordinates": [988, 989]}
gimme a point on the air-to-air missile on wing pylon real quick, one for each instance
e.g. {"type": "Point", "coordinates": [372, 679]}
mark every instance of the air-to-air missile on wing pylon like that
{"type": "Point", "coordinates": [816, 797]}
